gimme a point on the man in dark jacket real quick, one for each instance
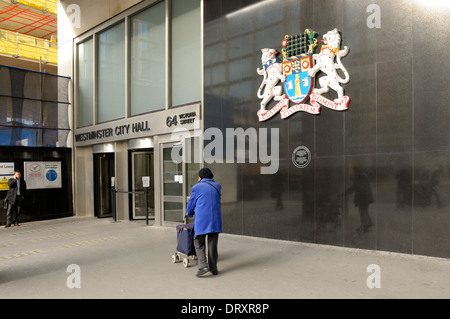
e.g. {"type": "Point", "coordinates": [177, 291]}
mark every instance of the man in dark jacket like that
{"type": "Point", "coordinates": [205, 203]}
{"type": "Point", "coordinates": [15, 196]}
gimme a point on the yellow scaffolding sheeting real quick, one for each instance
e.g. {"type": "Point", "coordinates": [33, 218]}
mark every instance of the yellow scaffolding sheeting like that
{"type": "Point", "coordinates": [25, 46]}
{"type": "Point", "coordinates": [44, 5]}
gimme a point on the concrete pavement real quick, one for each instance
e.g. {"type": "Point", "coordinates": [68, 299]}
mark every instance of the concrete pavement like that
{"type": "Point", "coordinates": [130, 259]}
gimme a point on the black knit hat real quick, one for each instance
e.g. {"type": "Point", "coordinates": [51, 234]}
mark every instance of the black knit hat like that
{"type": "Point", "coordinates": [205, 173]}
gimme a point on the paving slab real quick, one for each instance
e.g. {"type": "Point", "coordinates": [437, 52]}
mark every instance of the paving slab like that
{"type": "Point", "coordinates": [90, 258]}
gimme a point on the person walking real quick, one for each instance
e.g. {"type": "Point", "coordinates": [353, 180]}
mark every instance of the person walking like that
{"type": "Point", "coordinates": [204, 203]}
{"type": "Point", "coordinates": [14, 197]}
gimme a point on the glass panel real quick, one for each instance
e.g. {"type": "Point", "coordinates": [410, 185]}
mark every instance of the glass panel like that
{"type": "Point", "coordinates": [193, 164]}
{"type": "Point", "coordinates": [148, 60]}
{"type": "Point", "coordinates": [111, 73]}
{"type": "Point", "coordinates": [186, 64]}
{"type": "Point", "coordinates": [104, 171]}
{"type": "Point", "coordinates": [143, 166]}
{"type": "Point", "coordinates": [172, 175]}
{"type": "Point", "coordinates": [172, 186]}
{"type": "Point", "coordinates": [85, 73]}
{"type": "Point", "coordinates": [173, 212]}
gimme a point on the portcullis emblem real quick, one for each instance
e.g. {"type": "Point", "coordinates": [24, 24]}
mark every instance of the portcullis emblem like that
{"type": "Point", "coordinates": [297, 72]}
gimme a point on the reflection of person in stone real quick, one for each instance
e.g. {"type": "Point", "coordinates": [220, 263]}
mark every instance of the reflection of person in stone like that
{"type": "Point", "coordinates": [15, 196]}
{"type": "Point", "coordinates": [433, 183]}
{"type": "Point", "coordinates": [363, 197]}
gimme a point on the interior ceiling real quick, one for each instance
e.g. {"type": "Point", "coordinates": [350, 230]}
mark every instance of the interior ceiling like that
{"type": "Point", "coordinates": [27, 20]}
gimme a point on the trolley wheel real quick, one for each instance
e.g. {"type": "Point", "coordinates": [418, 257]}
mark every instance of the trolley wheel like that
{"type": "Point", "coordinates": [176, 258]}
{"type": "Point", "coordinates": [185, 262]}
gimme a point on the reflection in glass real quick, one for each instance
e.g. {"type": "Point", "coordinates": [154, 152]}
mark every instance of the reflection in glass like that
{"type": "Point", "coordinates": [143, 166]}
{"type": "Point", "coordinates": [173, 212]}
{"type": "Point", "coordinates": [172, 175]}
{"type": "Point", "coordinates": [85, 83]}
{"type": "Point", "coordinates": [111, 73]}
{"type": "Point", "coordinates": [148, 60]}
{"type": "Point", "coordinates": [186, 52]}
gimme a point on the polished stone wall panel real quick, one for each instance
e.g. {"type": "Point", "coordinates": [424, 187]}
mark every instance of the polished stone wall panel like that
{"type": "Point", "coordinates": [395, 130]}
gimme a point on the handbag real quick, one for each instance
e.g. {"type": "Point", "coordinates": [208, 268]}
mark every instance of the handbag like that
{"type": "Point", "coordinates": [5, 204]}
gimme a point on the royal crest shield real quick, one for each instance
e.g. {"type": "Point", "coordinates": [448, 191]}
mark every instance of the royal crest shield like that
{"type": "Point", "coordinates": [298, 84]}
{"type": "Point", "coordinates": [297, 72]}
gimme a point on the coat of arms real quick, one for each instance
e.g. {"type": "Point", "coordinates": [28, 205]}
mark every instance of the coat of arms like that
{"type": "Point", "coordinates": [297, 73]}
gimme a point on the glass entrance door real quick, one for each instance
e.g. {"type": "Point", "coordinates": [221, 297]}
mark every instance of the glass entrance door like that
{"type": "Point", "coordinates": [178, 177]}
{"type": "Point", "coordinates": [172, 179]}
{"type": "Point", "coordinates": [143, 171]}
{"type": "Point", "coordinates": [103, 172]}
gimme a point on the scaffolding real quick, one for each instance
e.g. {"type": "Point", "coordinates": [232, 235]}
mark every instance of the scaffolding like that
{"type": "Point", "coordinates": [24, 46]}
{"type": "Point", "coordinates": [43, 5]}
{"type": "Point", "coordinates": [28, 29]}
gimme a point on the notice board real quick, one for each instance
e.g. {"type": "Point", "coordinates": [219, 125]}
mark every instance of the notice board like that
{"type": "Point", "coordinates": [39, 175]}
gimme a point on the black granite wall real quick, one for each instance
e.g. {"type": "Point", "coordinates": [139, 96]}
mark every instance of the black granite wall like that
{"type": "Point", "coordinates": [393, 140]}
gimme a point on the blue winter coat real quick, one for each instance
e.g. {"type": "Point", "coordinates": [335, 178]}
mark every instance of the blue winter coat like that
{"type": "Point", "coordinates": [205, 203]}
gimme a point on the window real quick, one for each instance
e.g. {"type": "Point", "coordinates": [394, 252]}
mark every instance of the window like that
{"type": "Point", "coordinates": [85, 88]}
{"type": "Point", "coordinates": [186, 52]}
{"type": "Point", "coordinates": [122, 68]}
{"type": "Point", "coordinates": [111, 73]}
{"type": "Point", "coordinates": [148, 89]}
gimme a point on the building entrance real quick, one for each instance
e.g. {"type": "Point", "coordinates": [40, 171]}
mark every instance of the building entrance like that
{"type": "Point", "coordinates": [103, 174]}
{"type": "Point", "coordinates": [178, 177]}
{"type": "Point", "coordinates": [143, 184]}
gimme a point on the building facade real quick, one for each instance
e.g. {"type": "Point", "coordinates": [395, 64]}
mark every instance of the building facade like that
{"type": "Point", "coordinates": [34, 133]}
{"type": "Point", "coordinates": [359, 159]}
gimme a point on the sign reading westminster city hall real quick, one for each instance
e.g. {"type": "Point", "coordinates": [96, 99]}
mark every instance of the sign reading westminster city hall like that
{"type": "Point", "coordinates": [297, 72]}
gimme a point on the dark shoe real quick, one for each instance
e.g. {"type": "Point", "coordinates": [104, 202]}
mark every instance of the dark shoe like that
{"type": "Point", "coordinates": [202, 271]}
{"type": "Point", "coordinates": [7, 225]}
{"type": "Point", "coordinates": [215, 272]}
{"type": "Point", "coordinates": [16, 224]}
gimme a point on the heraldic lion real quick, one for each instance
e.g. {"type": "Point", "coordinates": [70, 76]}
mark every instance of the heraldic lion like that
{"type": "Point", "coordinates": [272, 75]}
{"type": "Point", "coordinates": [325, 62]}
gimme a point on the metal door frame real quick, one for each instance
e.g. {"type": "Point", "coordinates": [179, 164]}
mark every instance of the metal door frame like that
{"type": "Point", "coordinates": [152, 180]}
{"type": "Point", "coordinates": [171, 198]}
{"type": "Point", "coordinates": [97, 183]}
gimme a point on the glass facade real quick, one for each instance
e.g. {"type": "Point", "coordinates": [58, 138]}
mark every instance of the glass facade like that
{"type": "Point", "coordinates": [33, 108]}
{"type": "Point", "coordinates": [148, 52]}
{"type": "Point", "coordinates": [112, 85]}
{"type": "Point", "coordinates": [111, 73]}
{"type": "Point", "coordinates": [186, 48]}
{"type": "Point", "coordinates": [85, 84]}
{"type": "Point", "coordinates": [392, 143]}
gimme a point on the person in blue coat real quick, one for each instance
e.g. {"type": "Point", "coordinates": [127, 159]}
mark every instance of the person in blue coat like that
{"type": "Point", "coordinates": [204, 203]}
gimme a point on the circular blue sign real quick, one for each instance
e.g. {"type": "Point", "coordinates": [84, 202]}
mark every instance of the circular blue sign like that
{"type": "Point", "coordinates": [51, 175]}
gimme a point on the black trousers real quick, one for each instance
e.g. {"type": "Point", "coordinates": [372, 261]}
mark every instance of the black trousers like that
{"type": "Point", "coordinates": [209, 242]}
{"type": "Point", "coordinates": [16, 207]}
